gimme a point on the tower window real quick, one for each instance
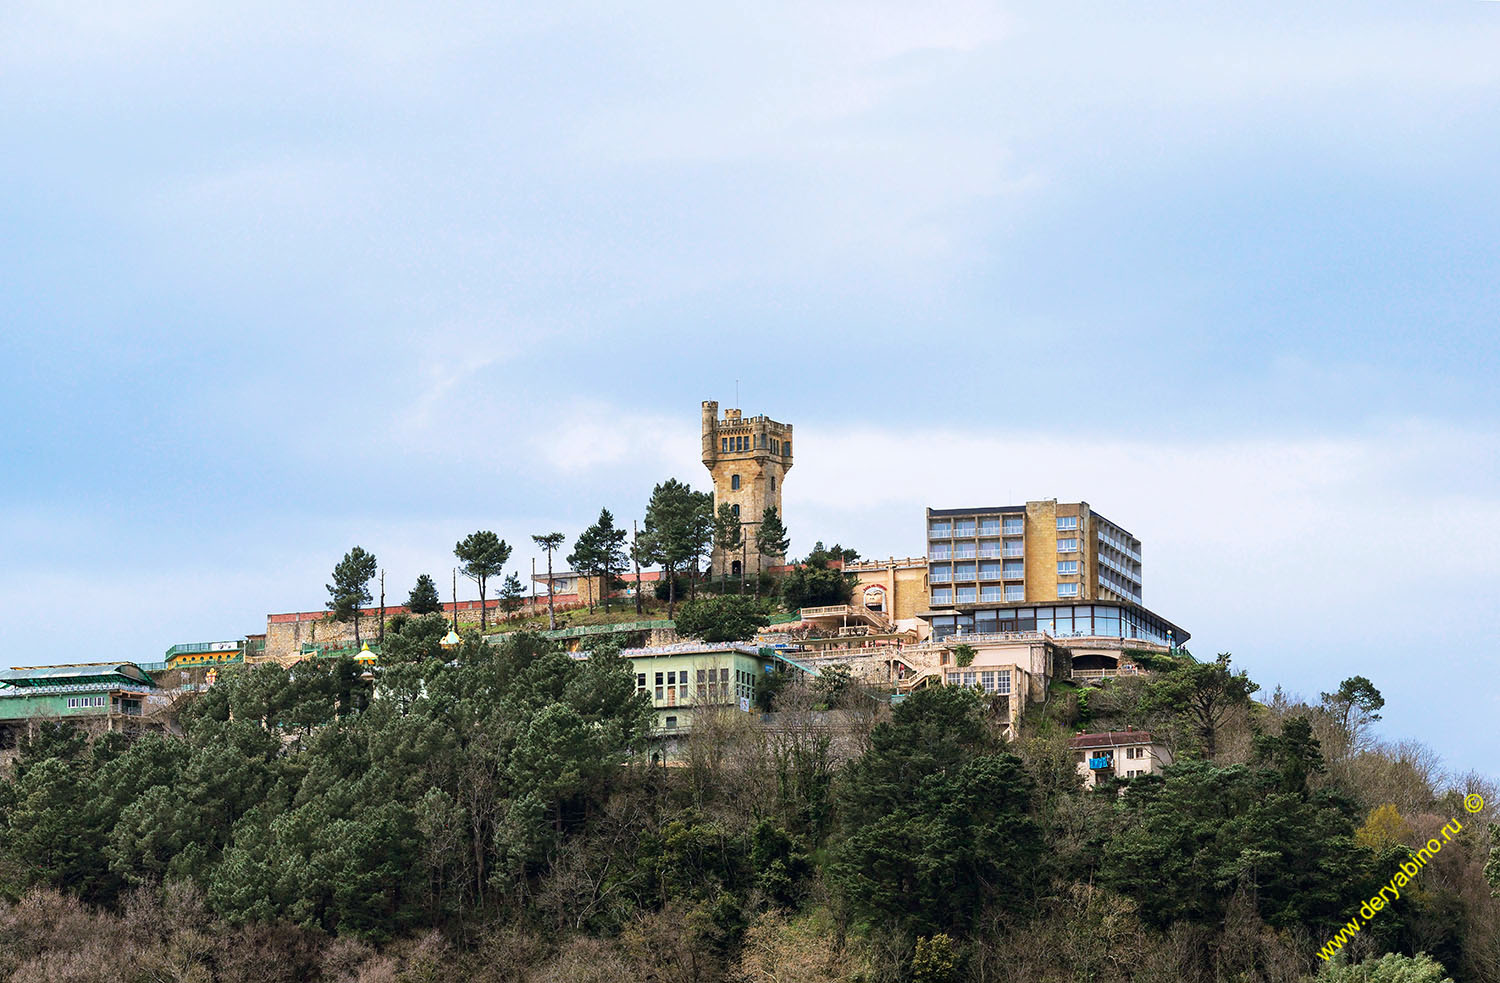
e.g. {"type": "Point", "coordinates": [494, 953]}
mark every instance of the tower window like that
{"type": "Point", "coordinates": [786, 448]}
{"type": "Point", "coordinates": [736, 510]}
{"type": "Point", "coordinates": [734, 482]}
{"type": "Point", "coordinates": [725, 442]}
{"type": "Point", "coordinates": [773, 482]}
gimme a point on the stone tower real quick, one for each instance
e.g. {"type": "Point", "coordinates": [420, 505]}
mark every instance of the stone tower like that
{"type": "Point", "coordinates": [748, 458]}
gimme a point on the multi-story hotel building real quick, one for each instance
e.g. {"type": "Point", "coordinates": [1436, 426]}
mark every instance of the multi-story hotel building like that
{"type": "Point", "coordinates": [1060, 568]}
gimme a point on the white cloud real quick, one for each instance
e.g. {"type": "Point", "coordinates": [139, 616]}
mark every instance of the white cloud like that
{"type": "Point", "coordinates": [577, 438]}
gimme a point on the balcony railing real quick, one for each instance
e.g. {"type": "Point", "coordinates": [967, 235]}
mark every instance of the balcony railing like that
{"type": "Point", "coordinates": [1013, 552]}
{"type": "Point", "coordinates": [1105, 673]}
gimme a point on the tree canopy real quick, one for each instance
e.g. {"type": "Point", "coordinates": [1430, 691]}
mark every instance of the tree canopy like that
{"type": "Point", "coordinates": [350, 589]}
{"type": "Point", "coordinates": [424, 598]}
{"type": "Point", "coordinates": [482, 555]}
{"type": "Point", "coordinates": [726, 618]}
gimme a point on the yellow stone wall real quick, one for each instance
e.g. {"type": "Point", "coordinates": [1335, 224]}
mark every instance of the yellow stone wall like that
{"type": "Point", "coordinates": [905, 583]}
{"type": "Point", "coordinates": [1041, 551]}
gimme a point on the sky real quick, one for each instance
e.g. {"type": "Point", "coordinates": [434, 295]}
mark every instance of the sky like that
{"type": "Point", "coordinates": [280, 278]}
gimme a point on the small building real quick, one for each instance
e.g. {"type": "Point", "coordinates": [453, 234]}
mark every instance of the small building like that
{"type": "Point", "coordinates": [1118, 754]}
{"type": "Point", "coordinates": [690, 676]}
{"type": "Point", "coordinates": [185, 654]}
{"type": "Point", "coordinates": [895, 588]}
{"type": "Point", "coordinates": [1017, 669]}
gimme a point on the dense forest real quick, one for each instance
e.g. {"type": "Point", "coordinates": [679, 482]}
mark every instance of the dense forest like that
{"type": "Point", "coordinates": [501, 813]}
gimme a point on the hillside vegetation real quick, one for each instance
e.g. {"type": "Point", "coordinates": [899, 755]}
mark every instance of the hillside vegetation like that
{"type": "Point", "coordinates": [500, 814]}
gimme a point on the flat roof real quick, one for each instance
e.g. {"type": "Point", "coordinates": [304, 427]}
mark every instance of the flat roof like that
{"type": "Point", "coordinates": [1099, 515]}
{"type": "Point", "coordinates": [983, 511]}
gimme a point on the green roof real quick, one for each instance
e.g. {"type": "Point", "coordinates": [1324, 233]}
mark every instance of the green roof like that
{"type": "Point", "coordinates": [125, 672]}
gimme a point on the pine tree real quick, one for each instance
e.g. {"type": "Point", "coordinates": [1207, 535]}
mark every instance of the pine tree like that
{"type": "Point", "coordinates": [511, 593]}
{"type": "Point", "coordinates": [424, 598]}
{"type": "Point", "coordinates": [728, 533]}
{"type": "Point", "coordinates": [483, 555]}
{"type": "Point", "coordinates": [350, 589]}
{"type": "Point", "coordinates": [678, 524]}
{"type": "Point", "coordinates": [550, 542]}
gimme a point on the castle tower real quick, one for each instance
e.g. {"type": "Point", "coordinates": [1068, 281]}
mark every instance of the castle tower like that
{"type": "Point", "coordinates": [749, 459]}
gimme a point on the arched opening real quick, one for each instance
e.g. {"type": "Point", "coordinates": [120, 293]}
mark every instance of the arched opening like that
{"type": "Point", "coordinates": [1094, 666]}
{"type": "Point", "coordinates": [734, 568]}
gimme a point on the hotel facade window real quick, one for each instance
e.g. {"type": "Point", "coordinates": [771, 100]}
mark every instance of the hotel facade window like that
{"type": "Point", "coordinates": [1015, 592]}
{"type": "Point", "coordinates": [941, 573]}
{"type": "Point", "coordinates": [967, 595]}
{"type": "Point", "coordinates": [1067, 568]}
{"type": "Point", "coordinates": [1066, 523]}
{"type": "Point", "coordinates": [1014, 527]}
{"type": "Point", "coordinates": [1067, 590]}
{"type": "Point", "coordinates": [1067, 545]}
{"type": "Point", "coordinates": [942, 595]}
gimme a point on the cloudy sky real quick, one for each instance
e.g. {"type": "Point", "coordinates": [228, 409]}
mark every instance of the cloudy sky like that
{"type": "Point", "coordinates": [279, 278]}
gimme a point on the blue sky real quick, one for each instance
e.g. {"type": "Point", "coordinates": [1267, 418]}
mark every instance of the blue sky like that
{"type": "Point", "coordinates": [279, 278]}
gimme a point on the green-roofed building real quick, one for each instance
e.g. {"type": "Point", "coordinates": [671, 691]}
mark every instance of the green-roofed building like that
{"type": "Point", "coordinates": [111, 692]}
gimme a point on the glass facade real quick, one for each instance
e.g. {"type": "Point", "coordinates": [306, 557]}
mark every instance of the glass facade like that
{"type": "Point", "coordinates": [1057, 620]}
